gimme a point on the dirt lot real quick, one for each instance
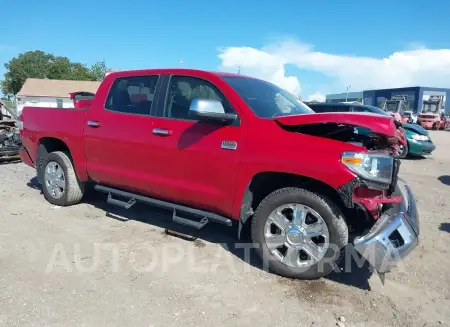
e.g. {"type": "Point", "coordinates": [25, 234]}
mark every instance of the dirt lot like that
{"type": "Point", "coordinates": [78, 267]}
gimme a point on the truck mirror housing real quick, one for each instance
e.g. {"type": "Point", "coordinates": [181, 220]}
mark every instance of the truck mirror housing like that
{"type": "Point", "coordinates": [209, 110]}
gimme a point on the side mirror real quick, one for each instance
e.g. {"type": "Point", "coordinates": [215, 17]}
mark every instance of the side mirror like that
{"type": "Point", "coordinates": [209, 110]}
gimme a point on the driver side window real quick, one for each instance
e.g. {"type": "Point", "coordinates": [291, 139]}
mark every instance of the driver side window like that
{"type": "Point", "coordinates": [183, 89]}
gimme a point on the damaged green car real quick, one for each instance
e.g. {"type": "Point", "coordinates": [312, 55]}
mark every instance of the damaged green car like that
{"type": "Point", "coordinates": [419, 142]}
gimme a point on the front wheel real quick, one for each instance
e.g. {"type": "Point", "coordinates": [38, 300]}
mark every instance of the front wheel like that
{"type": "Point", "coordinates": [299, 234]}
{"type": "Point", "coordinates": [60, 184]}
{"type": "Point", "coordinates": [403, 151]}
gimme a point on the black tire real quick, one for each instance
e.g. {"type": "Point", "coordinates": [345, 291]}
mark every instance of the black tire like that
{"type": "Point", "coordinates": [74, 189]}
{"type": "Point", "coordinates": [42, 154]}
{"type": "Point", "coordinates": [404, 153]}
{"type": "Point", "coordinates": [435, 127]}
{"type": "Point", "coordinates": [332, 215]}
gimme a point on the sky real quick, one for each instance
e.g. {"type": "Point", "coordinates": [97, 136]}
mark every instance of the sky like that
{"type": "Point", "coordinates": [311, 48]}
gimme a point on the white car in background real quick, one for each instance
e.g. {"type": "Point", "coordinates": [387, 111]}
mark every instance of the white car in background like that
{"type": "Point", "coordinates": [409, 117]}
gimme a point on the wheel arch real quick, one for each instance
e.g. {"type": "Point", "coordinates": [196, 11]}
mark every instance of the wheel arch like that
{"type": "Point", "coordinates": [50, 144]}
{"type": "Point", "coordinates": [264, 183]}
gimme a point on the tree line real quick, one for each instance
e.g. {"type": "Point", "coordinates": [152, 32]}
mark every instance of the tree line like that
{"type": "Point", "coordinates": [39, 64]}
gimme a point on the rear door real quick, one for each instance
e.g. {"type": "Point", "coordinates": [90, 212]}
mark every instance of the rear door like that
{"type": "Point", "coordinates": [119, 131]}
{"type": "Point", "coordinates": [196, 163]}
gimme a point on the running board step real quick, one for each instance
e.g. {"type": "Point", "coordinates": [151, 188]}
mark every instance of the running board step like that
{"type": "Point", "coordinates": [133, 198]}
{"type": "Point", "coordinates": [189, 222]}
{"type": "Point", "coordinates": [120, 203]}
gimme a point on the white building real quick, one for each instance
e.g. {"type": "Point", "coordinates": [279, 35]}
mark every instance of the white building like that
{"type": "Point", "coordinates": [53, 93]}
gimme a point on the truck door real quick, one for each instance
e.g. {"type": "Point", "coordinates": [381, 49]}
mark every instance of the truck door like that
{"type": "Point", "coordinates": [118, 132]}
{"type": "Point", "coordinates": [196, 163]}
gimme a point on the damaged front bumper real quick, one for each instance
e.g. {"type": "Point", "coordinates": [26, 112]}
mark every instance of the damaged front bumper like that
{"type": "Point", "coordinates": [394, 235]}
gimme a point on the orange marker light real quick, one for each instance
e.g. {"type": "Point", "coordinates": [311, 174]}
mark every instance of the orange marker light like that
{"type": "Point", "coordinates": [351, 161]}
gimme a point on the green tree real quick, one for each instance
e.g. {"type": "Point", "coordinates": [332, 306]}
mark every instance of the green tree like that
{"type": "Point", "coordinates": [99, 70]}
{"type": "Point", "coordinates": [38, 64]}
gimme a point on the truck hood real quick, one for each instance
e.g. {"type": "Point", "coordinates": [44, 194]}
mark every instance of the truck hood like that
{"type": "Point", "coordinates": [379, 124]}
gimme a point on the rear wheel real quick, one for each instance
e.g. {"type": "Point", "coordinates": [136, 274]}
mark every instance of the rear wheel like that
{"type": "Point", "coordinates": [435, 126]}
{"type": "Point", "coordinates": [60, 184]}
{"type": "Point", "coordinates": [299, 234]}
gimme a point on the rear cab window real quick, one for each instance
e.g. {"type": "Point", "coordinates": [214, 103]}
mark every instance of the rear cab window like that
{"type": "Point", "coordinates": [132, 95]}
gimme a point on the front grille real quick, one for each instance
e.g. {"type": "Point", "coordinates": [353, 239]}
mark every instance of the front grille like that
{"type": "Point", "coordinates": [395, 171]}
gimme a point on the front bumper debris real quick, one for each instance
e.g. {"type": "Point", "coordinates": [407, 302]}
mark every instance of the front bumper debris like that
{"type": "Point", "coordinates": [394, 235]}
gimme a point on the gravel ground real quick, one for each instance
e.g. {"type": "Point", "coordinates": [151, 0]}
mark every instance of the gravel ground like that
{"type": "Point", "coordinates": [78, 266]}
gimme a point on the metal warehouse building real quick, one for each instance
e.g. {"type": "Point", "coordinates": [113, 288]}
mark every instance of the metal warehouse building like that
{"type": "Point", "coordinates": [415, 96]}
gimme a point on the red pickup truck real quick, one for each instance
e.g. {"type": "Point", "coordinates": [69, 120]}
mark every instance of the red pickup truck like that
{"type": "Point", "coordinates": [225, 148]}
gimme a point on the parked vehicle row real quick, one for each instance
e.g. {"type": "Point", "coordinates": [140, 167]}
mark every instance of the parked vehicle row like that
{"type": "Point", "coordinates": [225, 148]}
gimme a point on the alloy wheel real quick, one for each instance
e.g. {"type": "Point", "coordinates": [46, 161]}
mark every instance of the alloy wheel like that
{"type": "Point", "coordinates": [296, 235]}
{"type": "Point", "coordinates": [55, 180]}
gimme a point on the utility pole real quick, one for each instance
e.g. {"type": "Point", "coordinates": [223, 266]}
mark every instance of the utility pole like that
{"type": "Point", "coordinates": [346, 95]}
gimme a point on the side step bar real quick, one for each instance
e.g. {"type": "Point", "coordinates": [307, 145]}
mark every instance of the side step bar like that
{"type": "Point", "coordinates": [133, 198]}
{"type": "Point", "coordinates": [119, 203]}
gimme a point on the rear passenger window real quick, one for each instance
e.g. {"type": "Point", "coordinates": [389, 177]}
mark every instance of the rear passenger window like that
{"type": "Point", "coordinates": [132, 95]}
{"type": "Point", "coordinates": [182, 89]}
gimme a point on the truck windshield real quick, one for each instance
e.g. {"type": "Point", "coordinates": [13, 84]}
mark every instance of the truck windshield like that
{"type": "Point", "coordinates": [430, 107]}
{"type": "Point", "coordinates": [391, 106]}
{"type": "Point", "coordinates": [265, 99]}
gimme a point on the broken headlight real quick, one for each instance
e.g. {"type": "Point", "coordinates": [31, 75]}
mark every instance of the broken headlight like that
{"type": "Point", "coordinates": [370, 166]}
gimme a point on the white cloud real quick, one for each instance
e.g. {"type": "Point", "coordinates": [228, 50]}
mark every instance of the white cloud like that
{"type": "Point", "coordinates": [414, 67]}
{"type": "Point", "coordinates": [261, 64]}
{"type": "Point", "coordinates": [316, 97]}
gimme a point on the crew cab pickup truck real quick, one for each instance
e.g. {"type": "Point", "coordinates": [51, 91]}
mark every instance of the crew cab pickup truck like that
{"type": "Point", "coordinates": [231, 149]}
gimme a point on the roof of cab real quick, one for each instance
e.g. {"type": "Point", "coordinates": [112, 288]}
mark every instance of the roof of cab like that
{"type": "Point", "coordinates": [174, 71]}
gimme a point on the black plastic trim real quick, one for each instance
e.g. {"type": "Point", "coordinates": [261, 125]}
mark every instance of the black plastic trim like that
{"type": "Point", "coordinates": [346, 192]}
{"type": "Point", "coordinates": [164, 204]}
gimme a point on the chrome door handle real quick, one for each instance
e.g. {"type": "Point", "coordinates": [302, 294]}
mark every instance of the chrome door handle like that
{"type": "Point", "coordinates": [91, 123]}
{"type": "Point", "coordinates": [162, 132]}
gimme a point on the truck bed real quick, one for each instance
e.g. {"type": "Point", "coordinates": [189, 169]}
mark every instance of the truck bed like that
{"type": "Point", "coordinates": [64, 124]}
